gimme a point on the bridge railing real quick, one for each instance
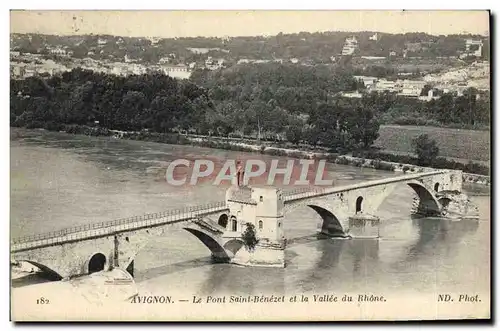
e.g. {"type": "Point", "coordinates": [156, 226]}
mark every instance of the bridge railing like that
{"type": "Point", "coordinates": [306, 192]}
{"type": "Point", "coordinates": [302, 192]}
{"type": "Point", "coordinates": [149, 219]}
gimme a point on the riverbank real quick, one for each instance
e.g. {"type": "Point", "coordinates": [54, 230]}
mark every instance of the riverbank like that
{"type": "Point", "coordinates": [374, 160]}
{"type": "Point", "coordinates": [457, 144]}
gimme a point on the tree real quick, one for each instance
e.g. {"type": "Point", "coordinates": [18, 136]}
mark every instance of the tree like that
{"type": "Point", "coordinates": [426, 150]}
{"type": "Point", "coordinates": [363, 126]}
{"type": "Point", "coordinates": [295, 131]}
{"type": "Point", "coordinates": [249, 237]}
{"type": "Point", "coordinates": [131, 108]}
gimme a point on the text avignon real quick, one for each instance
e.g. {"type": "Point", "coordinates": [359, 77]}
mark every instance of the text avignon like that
{"type": "Point", "coordinates": [151, 299]}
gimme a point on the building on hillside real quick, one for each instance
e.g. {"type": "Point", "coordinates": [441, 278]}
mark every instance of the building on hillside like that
{"type": "Point", "coordinates": [180, 71]}
{"type": "Point", "coordinates": [58, 51]}
{"type": "Point", "coordinates": [154, 40]}
{"type": "Point", "coordinates": [164, 60]}
{"type": "Point", "coordinates": [350, 46]}
{"type": "Point", "coordinates": [354, 94]}
{"type": "Point", "coordinates": [116, 70]}
{"type": "Point", "coordinates": [430, 96]}
{"type": "Point", "coordinates": [374, 37]}
{"type": "Point", "coordinates": [214, 64]}
{"type": "Point", "coordinates": [402, 74]}
{"type": "Point", "coordinates": [385, 85]}
{"type": "Point", "coordinates": [471, 42]}
{"type": "Point", "coordinates": [178, 67]}
{"type": "Point", "coordinates": [410, 84]}
{"type": "Point", "coordinates": [368, 81]}
{"type": "Point", "coordinates": [410, 88]}
{"type": "Point", "coordinates": [261, 61]}
{"type": "Point", "coordinates": [479, 51]}
{"type": "Point", "coordinates": [29, 72]}
{"type": "Point", "coordinates": [460, 88]}
{"type": "Point", "coordinates": [410, 92]}
{"type": "Point", "coordinates": [17, 71]}
{"type": "Point", "coordinates": [376, 59]}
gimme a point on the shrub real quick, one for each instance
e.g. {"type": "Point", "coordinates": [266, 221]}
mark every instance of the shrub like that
{"type": "Point", "coordinates": [342, 160]}
{"type": "Point", "coordinates": [53, 126]}
{"type": "Point", "coordinates": [249, 237]}
{"type": "Point", "coordinates": [357, 163]}
{"type": "Point", "coordinates": [332, 157]}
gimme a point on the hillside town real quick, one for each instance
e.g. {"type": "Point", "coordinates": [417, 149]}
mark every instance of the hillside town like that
{"type": "Point", "coordinates": [467, 66]}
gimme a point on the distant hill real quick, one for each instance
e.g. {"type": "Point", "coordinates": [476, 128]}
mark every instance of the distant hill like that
{"type": "Point", "coordinates": [318, 47]}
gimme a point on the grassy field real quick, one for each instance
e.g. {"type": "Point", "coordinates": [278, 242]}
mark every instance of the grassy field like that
{"type": "Point", "coordinates": [453, 143]}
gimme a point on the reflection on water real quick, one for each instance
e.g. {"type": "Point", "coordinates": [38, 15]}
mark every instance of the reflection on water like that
{"type": "Point", "coordinates": [439, 232]}
{"type": "Point", "coordinates": [60, 180]}
{"type": "Point", "coordinates": [29, 279]}
{"type": "Point", "coordinates": [172, 268]}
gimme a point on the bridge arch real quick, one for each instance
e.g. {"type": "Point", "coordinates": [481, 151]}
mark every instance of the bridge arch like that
{"type": "Point", "coordinates": [428, 201]}
{"type": "Point", "coordinates": [359, 204]}
{"type": "Point", "coordinates": [49, 272]}
{"type": "Point", "coordinates": [223, 219]}
{"type": "Point", "coordinates": [331, 225]}
{"type": "Point", "coordinates": [218, 252]}
{"type": "Point", "coordinates": [444, 201]}
{"type": "Point", "coordinates": [97, 262]}
{"type": "Point", "coordinates": [233, 245]}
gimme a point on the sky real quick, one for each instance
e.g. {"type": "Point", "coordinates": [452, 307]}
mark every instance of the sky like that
{"type": "Point", "coordinates": [244, 23]}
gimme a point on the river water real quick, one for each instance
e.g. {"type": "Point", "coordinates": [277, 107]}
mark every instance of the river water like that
{"type": "Point", "coordinates": [60, 180]}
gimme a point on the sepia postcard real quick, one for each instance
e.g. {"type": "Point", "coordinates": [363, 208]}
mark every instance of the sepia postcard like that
{"type": "Point", "coordinates": [250, 165]}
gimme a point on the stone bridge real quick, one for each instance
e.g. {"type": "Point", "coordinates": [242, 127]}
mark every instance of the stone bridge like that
{"type": "Point", "coordinates": [103, 246]}
{"type": "Point", "coordinates": [345, 211]}
{"type": "Point", "coordinates": [351, 210]}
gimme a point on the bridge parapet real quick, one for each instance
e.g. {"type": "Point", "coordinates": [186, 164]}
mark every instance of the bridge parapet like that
{"type": "Point", "coordinates": [317, 192]}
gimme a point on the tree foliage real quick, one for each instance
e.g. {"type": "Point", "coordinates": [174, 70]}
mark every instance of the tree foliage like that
{"type": "Point", "coordinates": [299, 104]}
{"type": "Point", "coordinates": [249, 237]}
{"type": "Point", "coordinates": [426, 149]}
{"type": "Point", "coordinates": [293, 103]}
{"type": "Point", "coordinates": [152, 101]}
